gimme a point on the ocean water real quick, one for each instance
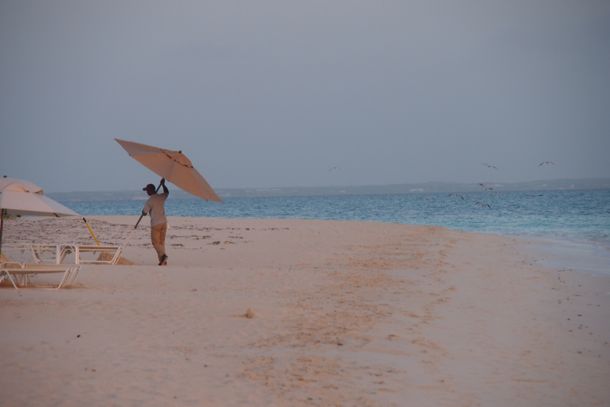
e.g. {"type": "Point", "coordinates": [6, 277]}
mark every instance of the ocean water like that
{"type": "Point", "coordinates": [576, 216]}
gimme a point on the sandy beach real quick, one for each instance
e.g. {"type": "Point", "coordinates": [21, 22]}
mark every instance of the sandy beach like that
{"type": "Point", "coordinates": [305, 313]}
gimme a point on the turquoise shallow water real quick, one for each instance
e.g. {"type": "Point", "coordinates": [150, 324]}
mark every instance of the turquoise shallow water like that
{"type": "Point", "coordinates": [568, 215]}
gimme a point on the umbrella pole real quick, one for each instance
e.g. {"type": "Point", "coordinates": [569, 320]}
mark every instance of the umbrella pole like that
{"type": "Point", "coordinates": [1, 227]}
{"type": "Point", "coordinates": [142, 215]}
{"type": "Point", "coordinates": [138, 222]}
{"type": "Point", "coordinates": [97, 242]}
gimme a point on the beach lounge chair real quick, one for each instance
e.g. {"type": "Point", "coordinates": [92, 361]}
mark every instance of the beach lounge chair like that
{"type": "Point", "coordinates": [83, 254]}
{"type": "Point", "coordinates": [46, 253]}
{"type": "Point", "coordinates": [102, 254]}
{"type": "Point", "coordinates": [19, 274]}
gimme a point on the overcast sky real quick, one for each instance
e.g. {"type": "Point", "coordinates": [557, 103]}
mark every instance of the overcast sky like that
{"type": "Point", "coordinates": [275, 93]}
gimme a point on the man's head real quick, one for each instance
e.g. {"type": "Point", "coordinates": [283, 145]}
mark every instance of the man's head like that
{"type": "Point", "coordinates": [150, 189]}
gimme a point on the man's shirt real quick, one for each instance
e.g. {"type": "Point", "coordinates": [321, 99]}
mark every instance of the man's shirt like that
{"type": "Point", "coordinates": [155, 207]}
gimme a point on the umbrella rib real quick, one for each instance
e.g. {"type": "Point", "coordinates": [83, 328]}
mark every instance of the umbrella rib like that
{"type": "Point", "coordinates": [176, 161]}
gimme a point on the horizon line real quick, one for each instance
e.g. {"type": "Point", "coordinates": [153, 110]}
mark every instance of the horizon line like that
{"type": "Point", "coordinates": [271, 188]}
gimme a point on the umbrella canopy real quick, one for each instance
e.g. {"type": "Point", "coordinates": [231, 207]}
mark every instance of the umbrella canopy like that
{"type": "Point", "coordinates": [18, 197]}
{"type": "Point", "coordinates": [173, 166]}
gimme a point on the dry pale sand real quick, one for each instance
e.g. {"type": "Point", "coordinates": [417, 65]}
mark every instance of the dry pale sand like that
{"type": "Point", "coordinates": [340, 313]}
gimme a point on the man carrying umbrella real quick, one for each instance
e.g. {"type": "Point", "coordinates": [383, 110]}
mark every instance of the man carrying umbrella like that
{"type": "Point", "coordinates": [179, 170]}
{"type": "Point", "coordinates": [155, 207]}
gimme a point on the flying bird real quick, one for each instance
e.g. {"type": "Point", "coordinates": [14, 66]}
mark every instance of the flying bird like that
{"type": "Point", "coordinates": [333, 168]}
{"type": "Point", "coordinates": [490, 166]}
{"type": "Point", "coordinates": [546, 163]}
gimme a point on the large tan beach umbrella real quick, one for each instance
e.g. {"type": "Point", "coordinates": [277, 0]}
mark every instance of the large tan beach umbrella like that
{"type": "Point", "coordinates": [172, 165]}
{"type": "Point", "coordinates": [19, 197]}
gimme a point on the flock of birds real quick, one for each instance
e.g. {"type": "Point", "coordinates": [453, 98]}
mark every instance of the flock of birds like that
{"type": "Point", "coordinates": [488, 187]}
{"type": "Point", "coordinates": [542, 164]}
{"type": "Point", "coordinates": [484, 186]}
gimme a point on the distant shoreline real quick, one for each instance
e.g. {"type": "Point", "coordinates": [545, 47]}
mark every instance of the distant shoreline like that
{"type": "Point", "coordinates": [414, 188]}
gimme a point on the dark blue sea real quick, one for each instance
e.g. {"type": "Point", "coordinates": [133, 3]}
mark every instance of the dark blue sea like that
{"type": "Point", "coordinates": [579, 216]}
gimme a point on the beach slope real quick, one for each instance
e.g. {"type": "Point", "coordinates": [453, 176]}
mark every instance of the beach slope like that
{"type": "Point", "coordinates": [299, 313]}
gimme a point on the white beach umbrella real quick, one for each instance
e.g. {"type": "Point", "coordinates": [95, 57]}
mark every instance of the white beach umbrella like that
{"type": "Point", "coordinates": [173, 166]}
{"type": "Point", "coordinates": [19, 197]}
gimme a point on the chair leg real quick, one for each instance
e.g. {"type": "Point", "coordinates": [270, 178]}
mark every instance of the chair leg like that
{"type": "Point", "coordinates": [73, 273]}
{"type": "Point", "coordinates": [69, 277]}
{"type": "Point", "coordinates": [23, 280]}
{"type": "Point", "coordinates": [115, 258]}
{"type": "Point", "coordinates": [64, 278]}
{"type": "Point", "coordinates": [10, 278]}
